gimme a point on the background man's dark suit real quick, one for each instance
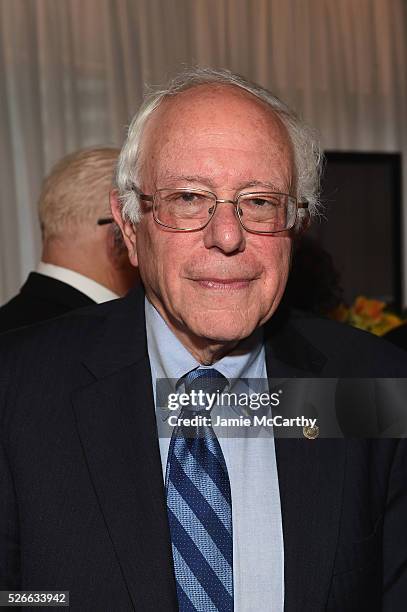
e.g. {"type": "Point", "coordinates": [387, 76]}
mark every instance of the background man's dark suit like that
{"type": "Point", "coordinates": [83, 506]}
{"type": "Point", "coordinates": [40, 298]}
{"type": "Point", "coordinates": [398, 336]}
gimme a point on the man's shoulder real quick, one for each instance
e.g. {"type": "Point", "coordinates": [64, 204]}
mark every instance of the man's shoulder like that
{"type": "Point", "coordinates": [398, 336]}
{"type": "Point", "coordinates": [42, 365]}
{"type": "Point", "coordinates": [13, 312]}
{"type": "Point", "coordinates": [74, 334]}
{"type": "Point", "coordinates": [351, 351]}
{"type": "Point", "coordinates": [71, 327]}
{"type": "Point", "coordinates": [40, 298]}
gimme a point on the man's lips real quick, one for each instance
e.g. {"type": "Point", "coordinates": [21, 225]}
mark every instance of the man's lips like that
{"type": "Point", "coordinates": [228, 284]}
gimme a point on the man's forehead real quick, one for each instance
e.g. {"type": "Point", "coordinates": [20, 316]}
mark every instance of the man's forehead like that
{"type": "Point", "coordinates": [219, 131]}
{"type": "Point", "coordinates": [207, 105]}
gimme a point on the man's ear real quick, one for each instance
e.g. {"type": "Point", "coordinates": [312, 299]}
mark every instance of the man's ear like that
{"type": "Point", "coordinates": [127, 228]}
{"type": "Point", "coordinates": [304, 221]}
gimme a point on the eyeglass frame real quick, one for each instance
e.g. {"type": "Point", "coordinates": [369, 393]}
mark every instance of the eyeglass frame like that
{"type": "Point", "coordinates": [151, 198]}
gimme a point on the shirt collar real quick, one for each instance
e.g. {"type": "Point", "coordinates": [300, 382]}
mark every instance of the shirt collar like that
{"type": "Point", "coordinates": [168, 356]}
{"type": "Point", "coordinates": [169, 359]}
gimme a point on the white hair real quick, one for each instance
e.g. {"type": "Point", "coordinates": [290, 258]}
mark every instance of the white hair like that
{"type": "Point", "coordinates": [76, 191]}
{"type": "Point", "coordinates": [307, 153]}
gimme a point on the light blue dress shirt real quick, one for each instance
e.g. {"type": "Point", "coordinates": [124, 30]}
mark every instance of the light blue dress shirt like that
{"type": "Point", "coordinates": [258, 550]}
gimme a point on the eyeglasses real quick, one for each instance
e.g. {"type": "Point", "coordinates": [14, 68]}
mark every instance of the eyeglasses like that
{"type": "Point", "coordinates": [188, 210]}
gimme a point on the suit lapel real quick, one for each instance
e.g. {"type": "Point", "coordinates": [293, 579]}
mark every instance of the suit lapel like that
{"type": "Point", "coordinates": [116, 424]}
{"type": "Point", "coordinates": [310, 474]}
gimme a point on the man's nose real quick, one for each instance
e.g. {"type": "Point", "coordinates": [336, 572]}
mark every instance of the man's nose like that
{"type": "Point", "coordinates": [224, 230]}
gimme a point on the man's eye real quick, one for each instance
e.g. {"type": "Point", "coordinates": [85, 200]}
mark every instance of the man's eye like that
{"type": "Point", "coordinates": [184, 197]}
{"type": "Point", "coordinates": [188, 196]}
{"type": "Point", "coordinates": [261, 202]}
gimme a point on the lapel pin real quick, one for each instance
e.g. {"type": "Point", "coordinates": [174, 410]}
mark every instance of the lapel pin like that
{"type": "Point", "coordinates": [311, 432]}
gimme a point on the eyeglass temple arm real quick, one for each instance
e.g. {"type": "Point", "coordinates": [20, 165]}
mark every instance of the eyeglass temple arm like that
{"type": "Point", "coordinates": [142, 196]}
{"type": "Point", "coordinates": [105, 221]}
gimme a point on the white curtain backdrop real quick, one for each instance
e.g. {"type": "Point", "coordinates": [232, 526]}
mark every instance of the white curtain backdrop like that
{"type": "Point", "coordinates": [72, 73]}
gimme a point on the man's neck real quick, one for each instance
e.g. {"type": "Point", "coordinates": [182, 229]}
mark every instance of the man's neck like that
{"type": "Point", "coordinates": [83, 260]}
{"type": "Point", "coordinates": [205, 350]}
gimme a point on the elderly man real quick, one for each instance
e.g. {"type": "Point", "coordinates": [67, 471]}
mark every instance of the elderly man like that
{"type": "Point", "coordinates": [82, 262]}
{"type": "Point", "coordinates": [214, 180]}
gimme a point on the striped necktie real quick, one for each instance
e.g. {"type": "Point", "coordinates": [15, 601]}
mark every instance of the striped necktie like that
{"type": "Point", "coordinates": [199, 508]}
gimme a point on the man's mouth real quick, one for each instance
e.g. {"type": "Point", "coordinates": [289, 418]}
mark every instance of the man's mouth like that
{"type": "Point", "coordinates": [222, 284]}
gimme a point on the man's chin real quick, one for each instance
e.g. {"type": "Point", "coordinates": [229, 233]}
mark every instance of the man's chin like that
{"type": "Point", "coordinates": [222, 332]}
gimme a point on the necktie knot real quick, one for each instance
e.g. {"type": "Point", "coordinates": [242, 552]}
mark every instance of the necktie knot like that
{"type": "Point", "coordinates": [201, 384]}
{"type": "Point", "coordinates": [205, 379]}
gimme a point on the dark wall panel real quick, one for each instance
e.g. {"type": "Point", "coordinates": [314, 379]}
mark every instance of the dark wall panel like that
{"type": "Point", "coordinates": [362, 194]}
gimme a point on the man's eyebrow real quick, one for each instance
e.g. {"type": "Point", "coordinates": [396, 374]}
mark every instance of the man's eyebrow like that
{"type": "Point", "coordinates": [267, 184]}
{"type": "Point", "coordinates": [196, 178]}
{"type": "Point", "coordinates": [193, 178]}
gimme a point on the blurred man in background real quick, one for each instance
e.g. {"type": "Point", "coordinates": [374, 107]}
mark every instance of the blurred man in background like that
{"type": "Point", "coordinates": [83, 257]}
{"type": "Point", "coordinates": [314, 284]}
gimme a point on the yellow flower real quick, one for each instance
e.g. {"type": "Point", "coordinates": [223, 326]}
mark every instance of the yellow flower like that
{"type": "Point", "coordinates": [369, 315]}
{"type": "Point", "coordinates": [371, 309]}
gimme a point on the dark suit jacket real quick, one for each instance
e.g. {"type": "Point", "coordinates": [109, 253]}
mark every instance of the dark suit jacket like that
{"type": "Point", "coordinates": [82, 504]}
{"type": "Point", "coordinates": [398, 336]}
{"type": "Point", "coordinates": [40, 298]}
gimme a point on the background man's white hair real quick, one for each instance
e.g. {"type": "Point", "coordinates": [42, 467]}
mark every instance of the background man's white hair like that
{"type": "Point", "coordinates": [76, 192]}
{"type": "Point", "coordinates": [307, 153]}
